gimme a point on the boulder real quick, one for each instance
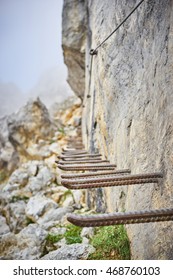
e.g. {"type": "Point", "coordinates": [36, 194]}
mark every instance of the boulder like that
{"type": "Point", "coordinates": [70, 252]}
{"type": "Point", "coordinates": [26, 245]}
{"type": "Point", "coordinates": [73, 43]}
{"type": "Point", "coordinates": [4, 228]}
{"type": "Point", "coordinates": [20, 131]}
{"type": "Point", "coordinates": [87, 232]}
{"type": "Point", "coordinates": [53, 217]}
{"type": "Point", "coordinates": [38, 205]}
{"type": "Point", "coordinates": [15, 215]}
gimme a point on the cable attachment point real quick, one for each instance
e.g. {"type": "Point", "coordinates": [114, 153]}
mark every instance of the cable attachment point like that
{"type": "Point", "coordinates": [93, 52]}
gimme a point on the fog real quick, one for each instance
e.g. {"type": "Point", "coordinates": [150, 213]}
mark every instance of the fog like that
{"type": "Point", "coordinates": [31, 60]}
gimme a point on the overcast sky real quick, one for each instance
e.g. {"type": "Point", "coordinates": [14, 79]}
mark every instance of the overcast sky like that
{"type": "Point", "coordinates": [30, 40]}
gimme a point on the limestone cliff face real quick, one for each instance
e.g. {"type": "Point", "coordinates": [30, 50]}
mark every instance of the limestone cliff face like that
{"type": "Point", "coordinates": [128, 117]}
{"type": "Point", "coordinates": [73, 43]}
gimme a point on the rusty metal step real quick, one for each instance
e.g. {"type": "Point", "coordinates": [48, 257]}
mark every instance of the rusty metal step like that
{"type": "Point", "coordinates": [82, 162]}
{"type": "Point", "coordinates": [85, 156]}
{"type": "Point", "coordinates": [75, 146]}
{"type": "Point", "coordinates": [158, 215]}
{"type": "Point", "coordinates": [111, 178]}
{"type": "Point", "coordinates": [108, 184]}
{"type": "Point", "coordinates": [81, 159]}
{"type": "Point", "coordinates": [74, 153]}
{"type": "Point", "coordinates": [83, 167]}
{"type": "Point", "coordinates": [95, 174]}
{"type": "Point", "coordinates": [65, 150]}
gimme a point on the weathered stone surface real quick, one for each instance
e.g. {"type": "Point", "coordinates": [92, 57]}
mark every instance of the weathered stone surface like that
{"type": "Point", "coordinates": [68, 200]}
{"type": "Point", "coordinates": [78, 196]}
{"type": "Point", "coordinates": [40, 182]}
{"type": "Point", "coordinates": [26, 245]}
{"type": "Point", "coordinates": [129, 115]}
{"type": "Point", "coordinates": [4, 228]}
{"type": "Point", "coordinates": [38, 205]}
{"type": "Point", "coordinates": [32, 177]}
{"type": "Point", "coordinates": [73, 43]}
{"type": "Point", "coordinates": [70, 252]}
{"type": "Point", "coordinates": [21, 131]}
{"type": "Point", "coordinates": [56, 230]}
{"type": "Point", "coordinates": [15, 215]}
{"type": "Point", "coordinates": [53, 217]}
{"type": "Point", "coordinates": [87, 232]}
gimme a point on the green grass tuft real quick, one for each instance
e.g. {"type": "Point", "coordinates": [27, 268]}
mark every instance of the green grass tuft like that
{"type": "Point", "coordinates": [111, 243]}
{"type": "Point", "coordinates": [53, 238]}
{"type": "Point", "coordinates": [72, 235]}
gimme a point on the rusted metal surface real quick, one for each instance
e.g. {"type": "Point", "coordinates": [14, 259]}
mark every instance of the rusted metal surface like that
{"type": "Point", "coordinates": [107, 184]}
{"type": "Point", "coordinates": [84, 160]}
{"type": "Point", "coordinates": [83, 167]}
{"type": "Point", "coordinates": [95, 174]}
{"type": "Point", "coordinates": [72, 150]}
{"type": "Point", "coordinates": [76, 146]}
{"type": "Point", "coordinates": [85, 156]}
{"type": "Point", "coordinates": [64, 162]}
{"type": "Point", "coordinates": [112, 178]}
{"type": "Point", "coordinates": [136, 217]}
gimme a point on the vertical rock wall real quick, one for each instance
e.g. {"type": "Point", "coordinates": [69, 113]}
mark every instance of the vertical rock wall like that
{"type": "Point", "coordinates": [127, 110]}
{"type": "Point", "coordinates": [73, 43]}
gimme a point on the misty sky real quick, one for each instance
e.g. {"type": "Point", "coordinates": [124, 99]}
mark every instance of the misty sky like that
{"type": "Point", "coordinates": [30, 40]}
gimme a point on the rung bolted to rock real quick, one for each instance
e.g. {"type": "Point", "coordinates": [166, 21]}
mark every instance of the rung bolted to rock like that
{"type": "Point", "coordinates": [107, 184]}
{"type": "Point", "coordinates": [74, 152]}
{"type": "Point", "coordinates": [112, 178]}
{"type": "Point", "coordinates": [75, 146]}
{"type": "Point", "coordinates": [82, 162]}
{"type": "Point", "coordinates": [77, 160]}
{"type": "Point", "coordinates": [96, 174]}
{"type": "Point", "coordinates": [137, 217]}
{"type": "Point", "coordinates": [84, 167]}
{"type": "Point", "coordinates": [85, 156]}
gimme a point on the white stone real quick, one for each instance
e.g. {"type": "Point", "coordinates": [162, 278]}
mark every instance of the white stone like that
{"type": "Point", "coordinates": [78, 196]}
{"type": "Point", "coordinates": [38, 205]}
{"type": "Point", "coordinates": [55, 148]}
{"type": "Point", "coordinates": [53, 217]}
{"type": "Point", "coordinates": [4, 228]}
{"type": "Point", "coordinates": [69, 201]}
{"type": "Point", "coordinates": [57, 230]}
{"type": "Point", "coordinates": [16, 212]}
{"type": "Point", "coordinates": [87, 232]}
{"type": "Point", "coordinates": [28, 244]}
{"type": "Point", "coordinates": [70, 252]}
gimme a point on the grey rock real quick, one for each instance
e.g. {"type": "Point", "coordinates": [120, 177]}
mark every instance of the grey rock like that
{"type": "Point", "coordinates": [78, 196]}
{"type": "Point", "coordinates": [61, 243]}
{"type": "Point", "coordinates": [26, 245]}
{"type": "Point", "coordinates": [53, 217]}
{"type": "Point", "coordinates": [8, 246]}
{"type": "Point", "coordinates": [69, 201]}
{"type": "Point", "coordinates": [70, 252]}
{"type": "Point", "coordinates": [4, 228]}
{"type": "Point", "coordinates": [57, 230]}
{"type": "Point", "coordinates": [40, 182]}
{"type": "Point", "coordinates": [73, 43]}
{"type": "Point", "coordinates": [87, 232]}
{"type": "Point", "coordinates": [85, 240]}
{"type": "Point", "coordinates": [22, 130]}
{"type": "Point", "coordinates": [15, 214]}
{"type": "Point", "coordinates": [38, 205]}
{"type": "Point", "coordinates": [128, 118]}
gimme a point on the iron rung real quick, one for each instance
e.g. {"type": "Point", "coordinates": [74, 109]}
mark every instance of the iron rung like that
{"type": "Point", "coordinates": [109, 184]}
{"type": "Point", "coordinates": [159, 215]}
